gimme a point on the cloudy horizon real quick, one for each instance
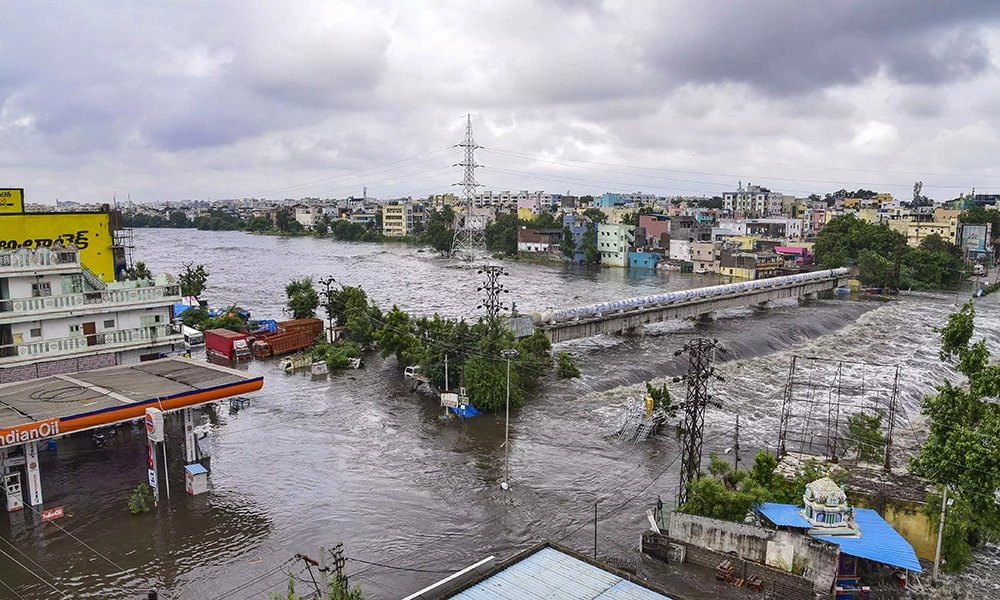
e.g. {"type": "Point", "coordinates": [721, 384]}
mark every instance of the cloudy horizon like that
{"type": "Point", "coordinates": [205, 100]}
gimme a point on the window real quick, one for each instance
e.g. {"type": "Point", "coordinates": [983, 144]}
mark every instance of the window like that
{"type": "Point", "coordinates": [35, 332]}
{"type": "Point", "coordinates": [41, 288]}
{"type": "Point", "coordinates": [109, 324]}
{"type": "Point", "coordinates": [75, 328]}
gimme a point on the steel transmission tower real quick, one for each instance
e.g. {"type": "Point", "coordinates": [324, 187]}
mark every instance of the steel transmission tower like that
{"type": "Point", "coordinates": [701, 355]}
{"type": "Point", "coordinates": [470, 238]}
{"type": "Point", "coordinates": [493, 288]}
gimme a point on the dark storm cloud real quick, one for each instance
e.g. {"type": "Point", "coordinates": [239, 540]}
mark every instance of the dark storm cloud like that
{"type": "Point", "coordinates": [795, 47]}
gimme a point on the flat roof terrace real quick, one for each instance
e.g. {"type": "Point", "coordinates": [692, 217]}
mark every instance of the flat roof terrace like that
{"type": "Point", "coordinates": [55, 405]}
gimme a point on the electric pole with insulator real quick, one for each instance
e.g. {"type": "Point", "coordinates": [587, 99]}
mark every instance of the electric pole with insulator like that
{"type": "Point", "coordinates": [701, 356]}
{"type": "Point", "coordinates": [492, 289]}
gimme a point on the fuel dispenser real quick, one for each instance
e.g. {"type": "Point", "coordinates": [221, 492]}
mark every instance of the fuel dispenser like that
{"type": "Point", "coordinates": [12, 487]}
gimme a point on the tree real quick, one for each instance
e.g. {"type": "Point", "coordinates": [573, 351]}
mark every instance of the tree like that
{"type": "Point", "coordinates": [864, 436]}
{"type": "Point", "coordinates": [396, 336]}
{"type": "Point", "coordinates": [136, 272]}
{"type": "Point", "coordinates": [959, 451]}
{"type": "Point", "coordinates": [715, 202]}
{"type": "Point", "coordinates": [322, 226]}
{"type": "Point", "coordinates": [338, 590]}
{"type": "Point", "coordinates": [567, 245]}
{"type": "Point", "coordinates": [566, 368]}
{"type": "Point", "coordinates": [282, 220]}
{"type": "Point", "coordinates": [193, 280]}
{"type": "Point", "coordinates": [544, 220]}
{"type": "Point", "coordinates": [178, 220]}
{"type": "Point", "coordinates": [591, 254]}
{"type": "Point", "coordinates": [302, 298]}
{"type": "Point", "coordinates": [595, 215]}
{"type": "Point", "coordinates": [501, 235]}
{"type": "Point", "coordinates": [259, 224]}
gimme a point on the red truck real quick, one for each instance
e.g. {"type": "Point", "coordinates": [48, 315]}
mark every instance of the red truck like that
{"type": "Point", "coordinates": [226, 344]}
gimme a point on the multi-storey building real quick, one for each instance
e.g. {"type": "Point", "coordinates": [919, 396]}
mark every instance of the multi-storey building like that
{"type": "Point", "coordinates": [614, 242]}
{"type": "Point", "coordinates": [752, 201]}
{"type": "Point", "coordinates": [56, 317]}
{"type": "Point", "coordinates": [397, 220]}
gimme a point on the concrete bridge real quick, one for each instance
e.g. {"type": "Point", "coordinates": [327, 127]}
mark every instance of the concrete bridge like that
{"type": "Point", "coordinates": [632, 314]}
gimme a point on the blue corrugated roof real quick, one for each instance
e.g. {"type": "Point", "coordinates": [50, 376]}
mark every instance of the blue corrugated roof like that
{"type": "Point", "coordinates": [783, 515]}
{"type": "Point", "coordinates": [550, 573]}
{"type": "Point", "coordinates": [878, 542]}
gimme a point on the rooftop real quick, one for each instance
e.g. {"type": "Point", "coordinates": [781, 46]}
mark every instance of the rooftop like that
{"type": "Point", "coordinates": [75, 401]}
{"type": "Point", "coordinates": [878, 541]}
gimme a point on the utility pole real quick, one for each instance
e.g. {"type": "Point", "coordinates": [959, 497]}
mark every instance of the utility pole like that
{"type": "Point", "coordinates": [937, 552]}
{"type": "Point", "coordinates": [595, 529]}
{"type": "Point", "coordinates": [470, 238]}
{"type": "Point", "coordinates": [324, 572]}
{"type": "Point", "coordinates": [508, 354]}
{"type": "Point", "coordinates": [493, 288]}
{"type": "Point", "coordinates": [736, 444]}
{"type": "Point", "coordinates": [701, 355]}
{"type": "Point", "coordinates": [326, 282]}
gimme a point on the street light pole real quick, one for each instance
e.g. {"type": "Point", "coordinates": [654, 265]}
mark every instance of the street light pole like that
{"type": "Point", "coordinates": [508, 354]}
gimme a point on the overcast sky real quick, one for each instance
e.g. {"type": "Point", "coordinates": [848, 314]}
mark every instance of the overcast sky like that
{"type": "Point", "coordinates": [214, 99]}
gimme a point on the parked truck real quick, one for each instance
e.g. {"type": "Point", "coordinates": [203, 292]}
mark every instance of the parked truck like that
{"type": "Point", "coordinates": [282, 342]}
{"type": "Point", "coordinates": [226, 344]}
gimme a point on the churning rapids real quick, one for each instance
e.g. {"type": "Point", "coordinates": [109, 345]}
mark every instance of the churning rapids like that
{"type": "Point", "coordinates": [359, 459]}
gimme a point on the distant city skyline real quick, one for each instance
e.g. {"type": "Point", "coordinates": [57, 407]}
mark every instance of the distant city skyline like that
{"type": "Point", "coordinates": [197, 101]}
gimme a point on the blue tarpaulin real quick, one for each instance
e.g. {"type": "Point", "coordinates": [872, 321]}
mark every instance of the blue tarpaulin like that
{"type": "Point", "coordinates": [266, 325]}
{"type": "Point", "coordinates": [465, 411]}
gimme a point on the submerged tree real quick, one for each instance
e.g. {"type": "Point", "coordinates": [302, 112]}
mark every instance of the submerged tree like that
{"type": "Point", "coordinates": [303, 299]}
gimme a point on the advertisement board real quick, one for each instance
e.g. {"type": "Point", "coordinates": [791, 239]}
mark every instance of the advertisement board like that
{"type": "Point", "coordinates": [89, 232]}
{"type": "Point", "coordinates": [11, 200]}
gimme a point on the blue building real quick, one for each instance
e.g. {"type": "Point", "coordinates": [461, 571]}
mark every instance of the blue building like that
{"type": "Point", "coordinates": [578, 226]}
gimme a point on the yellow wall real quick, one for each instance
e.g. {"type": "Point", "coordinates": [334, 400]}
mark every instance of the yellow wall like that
{"type": "Point", "coordinates": [525, 214]}
{"type": "Point", "coordinates": [11, 200]}
{"type": "Point", "coordinates": [909, 520]}
{"type": "Point", "coordinates": [90, 232]}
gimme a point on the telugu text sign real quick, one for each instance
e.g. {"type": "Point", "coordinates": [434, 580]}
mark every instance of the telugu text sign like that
{"type": "Point", "coordinates": [11, 200]}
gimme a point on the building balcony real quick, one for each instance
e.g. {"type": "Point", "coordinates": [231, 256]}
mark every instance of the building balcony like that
{"type": "Point", "coordinates": [28, 261]}
{"type": "Point", "coordinates": [79, 345]}
{"type": "Point", "coordinates": [102, 301]}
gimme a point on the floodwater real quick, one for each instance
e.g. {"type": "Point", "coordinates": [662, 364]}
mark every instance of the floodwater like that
{"type": "Point", "coordinates": [361, 460]}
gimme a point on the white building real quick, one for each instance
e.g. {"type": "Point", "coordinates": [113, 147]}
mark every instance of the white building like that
{"type": "Point", "coordinates": [753, 200]}
{"type": "Point", "coordinates": [57, 318]}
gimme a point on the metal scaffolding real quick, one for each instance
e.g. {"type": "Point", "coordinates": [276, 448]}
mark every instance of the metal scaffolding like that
{"type": "Point", "coordinates": [821, 396]}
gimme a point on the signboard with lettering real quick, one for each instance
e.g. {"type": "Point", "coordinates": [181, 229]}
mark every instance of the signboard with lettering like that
{"type": "Point", "coordinates": [449, 399]}
{"type": "Point", "coordinates": [89, 232]}
{"type": "Point", "coordinates": [11, 200]}
{"type": "Point", "coordinates": [51, 514]}
{"type": "Point", "coordinates": [20, 434]}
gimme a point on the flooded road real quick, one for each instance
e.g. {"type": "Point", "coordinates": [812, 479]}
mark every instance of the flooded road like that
{"type": "Point", "coordinates": [361, 460]}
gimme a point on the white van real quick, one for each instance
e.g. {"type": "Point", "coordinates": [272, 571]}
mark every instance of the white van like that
{"type": "Point", "coordinates": [192, 337]}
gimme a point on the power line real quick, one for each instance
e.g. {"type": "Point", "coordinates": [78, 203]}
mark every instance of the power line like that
{"type": "Point", "coordinates": [252, 582]}
{"type": "Point", "coordinates": [12, 590]}
{"type": "Point", "coordinates": [399, 568]}
{"type": "Point", "coordinates": [39, 577]}
{"type": "Point", "coordinates": [81, 542]}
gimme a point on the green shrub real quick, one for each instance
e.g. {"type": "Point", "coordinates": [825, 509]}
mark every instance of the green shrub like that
{"type": "Point", "coordinates": [566, 368]}
{"type": "Point", "coordinates": [140, 500]}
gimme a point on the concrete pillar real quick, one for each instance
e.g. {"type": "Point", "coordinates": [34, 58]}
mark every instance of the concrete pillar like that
{"type": "Point", "coordinates": [34, 473]}
{"type": "Point", "coordinates": [811, 296]}
{"type": "Point", "coordinates": [637, 331]}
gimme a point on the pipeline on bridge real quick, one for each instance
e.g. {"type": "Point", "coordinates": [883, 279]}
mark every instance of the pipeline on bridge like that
{"type": "Point", "coordinates": [568, 314]}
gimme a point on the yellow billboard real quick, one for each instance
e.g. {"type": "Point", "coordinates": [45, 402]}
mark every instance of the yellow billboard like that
{"type": "Point", "coordinates": [11, 200]}
{"type": "Point", "coordinates": [89, 232]}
